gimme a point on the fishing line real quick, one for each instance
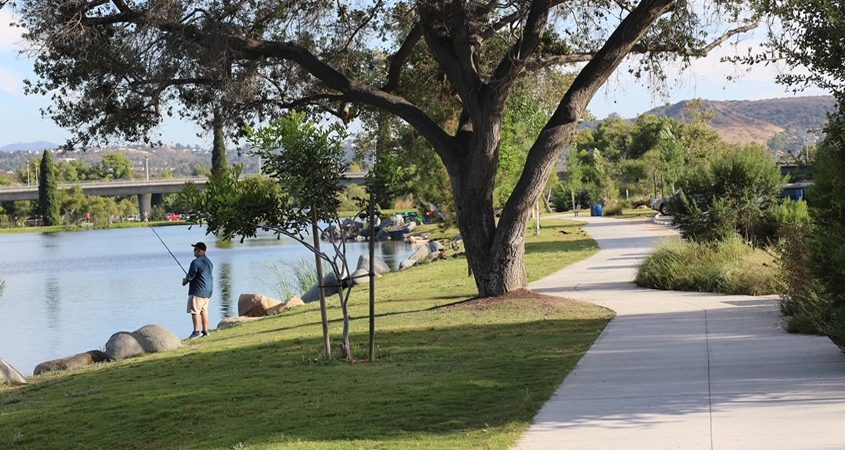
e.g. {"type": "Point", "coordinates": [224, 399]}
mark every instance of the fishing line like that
{"type": "Point", "coordinates": [168, 249]}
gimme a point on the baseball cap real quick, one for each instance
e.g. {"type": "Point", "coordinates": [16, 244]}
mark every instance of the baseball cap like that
{"type": "Point", "coordinates": [199, 245]}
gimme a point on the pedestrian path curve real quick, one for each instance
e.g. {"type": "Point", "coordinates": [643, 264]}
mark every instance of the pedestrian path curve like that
{"type": "Point", "coordinates": [685, 370]}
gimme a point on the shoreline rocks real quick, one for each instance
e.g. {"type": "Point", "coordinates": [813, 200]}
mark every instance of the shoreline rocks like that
{"type": "Point", "coordinates": [147, 339]}
{"type": "Point", "coordinates": [10, 375]}
{"type": "Point", "coordinates": [71, 362]}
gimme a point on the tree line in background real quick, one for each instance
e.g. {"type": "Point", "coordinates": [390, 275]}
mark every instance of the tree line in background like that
{"type": "Point", "coordinates": [71, 206]}
{"type": "Point", "coordinates": [113, 165]}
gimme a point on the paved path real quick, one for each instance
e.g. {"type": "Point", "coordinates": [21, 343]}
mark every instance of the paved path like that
{"type": "Point", "coordinates": [686, 370]}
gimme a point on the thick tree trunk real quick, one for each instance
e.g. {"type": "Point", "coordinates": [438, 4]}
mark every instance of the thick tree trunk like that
{"type": "Point", "coordinates": [496, 261]}
{"type": "Point", "coordinates": [497, 269]}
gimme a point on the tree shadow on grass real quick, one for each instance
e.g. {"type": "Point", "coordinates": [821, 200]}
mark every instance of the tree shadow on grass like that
{"type": "Point", "coordinates": [426, 382]}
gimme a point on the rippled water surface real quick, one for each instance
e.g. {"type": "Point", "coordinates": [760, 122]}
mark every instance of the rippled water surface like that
{"type": "Point", "coordinates": [66, 293]}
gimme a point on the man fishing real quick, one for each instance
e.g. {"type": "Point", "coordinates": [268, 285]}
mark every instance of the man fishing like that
{"type": "Point", "coordinates": [199, 293]}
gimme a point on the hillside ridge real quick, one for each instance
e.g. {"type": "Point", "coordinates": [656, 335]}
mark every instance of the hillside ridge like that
{"type": "Point", "coordinates": [758, 121]}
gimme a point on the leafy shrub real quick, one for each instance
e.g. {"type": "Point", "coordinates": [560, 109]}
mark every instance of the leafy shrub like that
{"type": "Point", "coordinates": [730, 266]}
{"type": "Point", "coordinates": [561, 199]}
{"type": "Point", "coordinates": [731, 190]}
{"type": "Point", "coordinates": [826, 244]}
{"type": "Point", "coordinates": [639, 200]}
{"type": "Point", "coordinates": [614, 209]}
{"type": "Point", "coordinates": [802, 300]}
{"type": "Point", "coordinates": [786, 216]}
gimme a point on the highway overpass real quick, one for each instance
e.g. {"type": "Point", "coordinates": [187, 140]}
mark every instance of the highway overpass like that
{"type": "Point", "coordinates": [149, 192]}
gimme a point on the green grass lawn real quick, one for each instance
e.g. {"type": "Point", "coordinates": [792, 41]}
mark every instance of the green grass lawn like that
{"type": "Point", "coordinates": [471, 375]}
{"type": "Point", "coordinates": [632, 213]}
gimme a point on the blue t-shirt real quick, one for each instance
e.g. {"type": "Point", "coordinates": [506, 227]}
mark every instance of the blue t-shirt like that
{"type": "Point", "coordinates": [200, 277]}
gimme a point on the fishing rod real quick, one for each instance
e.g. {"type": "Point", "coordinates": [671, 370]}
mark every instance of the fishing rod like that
{"type": "Point", "coordinates": [168, 249]}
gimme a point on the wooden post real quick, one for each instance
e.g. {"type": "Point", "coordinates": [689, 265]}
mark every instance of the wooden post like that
{"type": "Point", "coordinates": [315, 231]}
{"type": "Point", "coordinates": [372, 275]}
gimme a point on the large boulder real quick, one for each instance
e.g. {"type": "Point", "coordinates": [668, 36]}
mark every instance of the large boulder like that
{"type": "Point", "coordinates": [420, 254]}
{"type": "Point", "coordinates": [9, 374]}
{"type": "Point", "coordinates": [406, 264]}
{"type": "Point", "coordinates": [71, 362]}
{"type": "Point", "coordinates": [155, 339]}
{"type": "Point", "coordinates": [360, 276]}
{"type": "Point", "coordinates": [230, 322]}
{"type": "Point", "coordinates": [330, 287]}
{"type": "Point", "coordinates": [255, 305]}
{"type": "Point", "coordinates": [435, 246]}
{"type": "Point", "coordinates": [123, 345]}
{"type": "Point", "coordinates": [288, 304]}
{"type": "Point", "coordinates": [379, 266]}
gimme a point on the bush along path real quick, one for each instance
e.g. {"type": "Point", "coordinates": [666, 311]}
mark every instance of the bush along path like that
{"type": "Point", "coordinates": [685, 369]}
{"type": "Point", "coordinates": [469, 375]}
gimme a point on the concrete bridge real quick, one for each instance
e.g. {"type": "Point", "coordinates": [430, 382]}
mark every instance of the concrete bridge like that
{"type": "Point", "coordinates": [149, 192]}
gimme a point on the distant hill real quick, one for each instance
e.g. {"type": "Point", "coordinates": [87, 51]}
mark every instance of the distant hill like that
{"type": "Point", "coordinates": [37, 146]}
{"type": "Point", "coordinates": [747, 121]}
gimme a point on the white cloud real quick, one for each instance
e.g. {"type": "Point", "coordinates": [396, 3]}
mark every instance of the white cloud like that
{"type": "Point", "coordinates": [10, 36]}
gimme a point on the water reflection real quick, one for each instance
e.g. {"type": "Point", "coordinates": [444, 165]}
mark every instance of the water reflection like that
{"type": "Point", "coordinates": [224, 287]}
{"type": "Point", "coordinates": [388, 251]}
{"type": "Point", "coordinates": [53, 300]}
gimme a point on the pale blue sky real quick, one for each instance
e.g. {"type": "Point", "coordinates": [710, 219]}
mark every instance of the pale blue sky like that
{"type": "Point", "coordinates": [20, 119]}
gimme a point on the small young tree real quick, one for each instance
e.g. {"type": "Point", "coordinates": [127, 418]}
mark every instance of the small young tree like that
{"type": "Point", "coordinates": [49, 201]}
{"type": "Point", "coordinates": [306, 168]}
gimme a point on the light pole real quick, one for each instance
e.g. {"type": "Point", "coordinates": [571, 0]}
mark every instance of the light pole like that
{"type": "Point", "coordinates": [147, 166]}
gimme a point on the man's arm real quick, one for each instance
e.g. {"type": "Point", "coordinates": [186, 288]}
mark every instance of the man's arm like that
{"type": "Point", "coordinates": [192, 273]}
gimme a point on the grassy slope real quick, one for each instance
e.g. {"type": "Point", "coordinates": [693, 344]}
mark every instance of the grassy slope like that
{"type": "Point", "coordinates": [454, 377]}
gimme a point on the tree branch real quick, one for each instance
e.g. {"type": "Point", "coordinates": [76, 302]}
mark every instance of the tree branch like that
{"type": "Point", "coordinates": [670, 47]}
{"type": "Point", "coordinates": [449, 44]}
{"type": "Point", "coordinates": [555, 133]}
{"type": "Point", "coordinates": [398, 59]}
{"type": "Point", "coordinates": [554, 60]}
{"type": "Point", "coordinates": [255, 49]}
{"type": "Point", "coordinates": [514, 60]}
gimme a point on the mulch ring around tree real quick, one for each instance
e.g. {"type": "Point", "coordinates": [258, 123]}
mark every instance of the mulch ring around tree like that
{"type": "Point", "coordinates": [547, 303]}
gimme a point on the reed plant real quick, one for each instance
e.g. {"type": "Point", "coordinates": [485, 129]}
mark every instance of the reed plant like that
{"type": "Point", "coordinates": [292, 277]}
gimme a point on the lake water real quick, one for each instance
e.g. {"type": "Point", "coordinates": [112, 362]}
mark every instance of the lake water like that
{"type": "Point", "coordinates": [67, 293]}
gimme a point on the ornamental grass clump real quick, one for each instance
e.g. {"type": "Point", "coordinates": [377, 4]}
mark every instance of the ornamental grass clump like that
{"type": "Point", "coordinates": [729, 266]}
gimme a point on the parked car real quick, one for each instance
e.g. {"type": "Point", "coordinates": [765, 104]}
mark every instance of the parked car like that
{"type": "Point", "coordinates": [796, 191]}
{"type": "Point", "coordinates": [661, 204]}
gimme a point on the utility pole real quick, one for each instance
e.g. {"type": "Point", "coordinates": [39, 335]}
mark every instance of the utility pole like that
{"type": "Point", "coordinates": [147, 166]}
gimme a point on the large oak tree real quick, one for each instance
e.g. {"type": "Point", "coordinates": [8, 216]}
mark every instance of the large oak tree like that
{"type": "Point", "coordinates": [115, 66]}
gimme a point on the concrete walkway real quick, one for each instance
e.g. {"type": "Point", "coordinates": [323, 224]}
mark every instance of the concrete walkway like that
{"type": "Point", "coordinates": [685, 370]}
